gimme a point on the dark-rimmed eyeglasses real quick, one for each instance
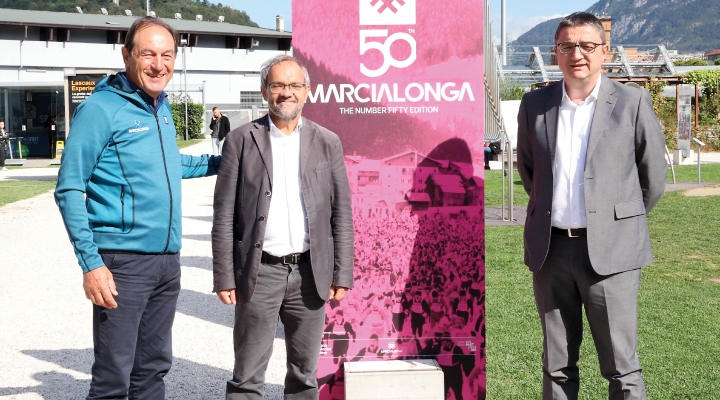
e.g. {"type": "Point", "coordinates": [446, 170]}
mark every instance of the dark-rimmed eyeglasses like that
{"type": "Point", "coordinates": [276, 88]}
{"type": "Point", "coordinates": [585, 47]}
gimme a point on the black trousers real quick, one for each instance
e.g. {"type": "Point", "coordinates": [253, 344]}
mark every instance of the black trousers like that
{"type": "Point", "coordinates": [2, 154]}
{"type": "Point", "coordinates": [133, 343]}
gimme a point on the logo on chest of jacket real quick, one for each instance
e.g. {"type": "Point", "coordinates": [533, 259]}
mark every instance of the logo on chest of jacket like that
{"type": "Point", "coordinates": [138, 128]}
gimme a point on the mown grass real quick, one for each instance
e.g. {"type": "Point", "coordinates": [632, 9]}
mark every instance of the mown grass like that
{"type": "Point", "coordinates": [12, 191]}
{"type": "Point", "coordinates": [185, 143]}
{"type": "Point", "coordinates": [679, 305]}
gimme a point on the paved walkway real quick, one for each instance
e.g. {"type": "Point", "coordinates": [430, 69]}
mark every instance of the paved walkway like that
{"type": "Point", "coordinates": [46, 322]}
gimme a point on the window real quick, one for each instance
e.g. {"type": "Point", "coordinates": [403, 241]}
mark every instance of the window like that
{"type": "Point", "coordinates": [249, 99]}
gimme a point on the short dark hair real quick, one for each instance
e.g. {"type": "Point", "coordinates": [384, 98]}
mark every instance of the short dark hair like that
{"type": "Point", "coordinates": [579, 19]}
{"type": "Point", "coordinates": [216, 108]}
{"type": "Point", "coordinates": [146, 22]}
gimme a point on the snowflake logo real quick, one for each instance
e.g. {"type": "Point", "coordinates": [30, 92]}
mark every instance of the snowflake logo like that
{"type": "Point", "coordinates": [387, 4]}
{"type": "Point", "coordinates": [391, 345]}
{"type": "Point", "coordinates": [137, 123]}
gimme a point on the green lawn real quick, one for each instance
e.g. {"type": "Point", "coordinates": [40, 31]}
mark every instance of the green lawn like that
{"type": "Point", "coordinates": [185, 143]}
{"type": "Point", "coordinates": [12, 191]}
{"type": "Point", "coordinates": [679, 304]}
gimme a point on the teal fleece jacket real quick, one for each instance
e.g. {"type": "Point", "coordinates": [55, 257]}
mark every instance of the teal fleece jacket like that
{"type": "Point", "coordinates": [118, 187]}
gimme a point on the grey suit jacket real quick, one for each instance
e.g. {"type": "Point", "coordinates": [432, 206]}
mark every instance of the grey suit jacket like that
{"type": "Point", "coordinates": [625, 172]}
{"type": "Point", "coordinates": [242, 200]}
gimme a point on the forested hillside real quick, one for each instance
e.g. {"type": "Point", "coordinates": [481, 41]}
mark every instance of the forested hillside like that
{"type": "Point", "coordinates": [163, 8]}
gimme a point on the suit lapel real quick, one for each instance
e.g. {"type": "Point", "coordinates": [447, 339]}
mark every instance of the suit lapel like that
{"type": "Point", "coordinates": [261, 136]}
{"type": "Point", "coordinates": [603, 109]}
{"type": "Point", "coordinates": [552, 109]}
{"type": "Point", "coordinates": [307, 136]}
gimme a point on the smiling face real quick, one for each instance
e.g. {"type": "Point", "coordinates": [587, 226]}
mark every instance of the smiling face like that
{"type": "Point", "coordinates": [578, 68]}
{"type": "Point", "coordinates": [287, 104]}
{"type": "Point", "coordinates": [150, 65]}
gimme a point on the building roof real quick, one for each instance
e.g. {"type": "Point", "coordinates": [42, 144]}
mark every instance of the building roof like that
{"type": "Point", "coordinates": [418, 197]}
{"type": "Point", "coordinates": [449, 183]}
{"type": "Point", "coordinates": [122, 23]}
{"type": "Point", "coordinates": [712, 53]}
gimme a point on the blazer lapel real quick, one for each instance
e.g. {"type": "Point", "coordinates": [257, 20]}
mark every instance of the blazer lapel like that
{"type": "Point", "coordinates": [603, 109]}
{"type": "Point", "coordinates": [552, 109]}
{"type": "Point", "coordinates": [261, 136]}
{"type": "Point", "coordinates": [307, 136]}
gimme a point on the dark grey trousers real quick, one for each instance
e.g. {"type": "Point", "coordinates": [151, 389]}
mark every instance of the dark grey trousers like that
{"type": "Point", "coordinates": [565, 284]}
{"type": "Point", "coordinates": [133, 343]}
{"type": "Point", "coordinates": [287, 292]}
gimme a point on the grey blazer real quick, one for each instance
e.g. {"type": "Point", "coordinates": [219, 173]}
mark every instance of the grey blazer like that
{"type": "Point", "coordinates": [242, 201]}
{"type": "Point", "coordinates": [625, 172]}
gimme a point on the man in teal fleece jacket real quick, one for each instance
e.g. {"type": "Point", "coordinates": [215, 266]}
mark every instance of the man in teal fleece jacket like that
{"type": "Point", "coordinates": [119, 195]}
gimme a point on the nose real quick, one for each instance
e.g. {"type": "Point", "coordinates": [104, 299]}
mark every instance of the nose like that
{"type": "Point", "coordinates": [157, 62]}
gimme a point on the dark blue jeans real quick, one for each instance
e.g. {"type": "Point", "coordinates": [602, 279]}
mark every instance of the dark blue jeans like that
{"type": "Point", "coordinates": [133, 342]}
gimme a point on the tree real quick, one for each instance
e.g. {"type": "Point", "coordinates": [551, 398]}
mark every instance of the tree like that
{"type": "Point", "coordinates": [693, 62]}
{"type": "Point", "coordinates": [717, 61]}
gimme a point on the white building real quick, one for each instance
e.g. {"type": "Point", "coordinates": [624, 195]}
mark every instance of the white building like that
{"type": "Point", "coordinates": [39, 50]}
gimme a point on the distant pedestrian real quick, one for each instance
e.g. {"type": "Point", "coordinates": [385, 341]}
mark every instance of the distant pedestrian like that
{"type": "Point", "coordinates": [220, 126]}
{"type": "Point", "coordinates": [3, 140]}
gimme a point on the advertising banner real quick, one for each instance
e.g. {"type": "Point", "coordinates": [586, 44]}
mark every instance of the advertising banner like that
{"type": "Point", "coordinates": [80, 88]}
{"type": "Point", "coordinates": [401, 83]}
{"type": "Point", "coordinates": [684, 116]}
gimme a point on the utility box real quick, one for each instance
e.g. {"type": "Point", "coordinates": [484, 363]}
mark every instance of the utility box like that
{"type": "Point", "coordinates": [394, 380]}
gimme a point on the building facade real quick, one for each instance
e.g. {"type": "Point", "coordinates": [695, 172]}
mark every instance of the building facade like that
{"type": "Point", "coordinates": [40, 50]}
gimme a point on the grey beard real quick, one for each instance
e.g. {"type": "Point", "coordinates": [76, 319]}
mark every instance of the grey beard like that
{"type": "Point", "coordinates": [283, 115]}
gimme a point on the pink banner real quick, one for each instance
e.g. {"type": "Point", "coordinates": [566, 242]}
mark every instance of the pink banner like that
{"type": "Point", "coordinates": [401, 83]}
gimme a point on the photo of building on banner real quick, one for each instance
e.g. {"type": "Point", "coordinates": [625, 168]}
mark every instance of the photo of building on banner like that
{"type": "Point", "coordinates": [401, 83]}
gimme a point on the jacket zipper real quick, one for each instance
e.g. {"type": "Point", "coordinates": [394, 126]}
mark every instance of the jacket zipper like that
{"type": "Point", "coordinates": [167, 178]}
{"type": "Point", "coordinates": [122, 205]}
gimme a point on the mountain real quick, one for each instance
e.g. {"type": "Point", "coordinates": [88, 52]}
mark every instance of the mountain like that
{"type": "Point", "coordinates": [163, 8]}
{"type": "Point", "coordinates": [685, 25]}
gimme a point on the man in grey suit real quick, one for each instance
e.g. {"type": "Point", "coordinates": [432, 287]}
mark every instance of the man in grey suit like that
{"type": "Point", "coordinates": [590, 156]}
{"type": "Point", "coordinates": [282, 234]}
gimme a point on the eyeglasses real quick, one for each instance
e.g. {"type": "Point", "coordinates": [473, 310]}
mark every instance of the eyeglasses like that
{"type": "Point", "coordinates": [585, 47]}
{"type": "Point", "coordinates": [276, 88]}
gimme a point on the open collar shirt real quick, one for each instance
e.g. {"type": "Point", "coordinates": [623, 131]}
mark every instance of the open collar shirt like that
{"type": "Point", "coordinates": [573, 129]}
{"type": "Point", "coordinates": [286, 230]}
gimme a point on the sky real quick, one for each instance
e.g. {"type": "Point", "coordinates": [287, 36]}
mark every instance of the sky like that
{"type": "Point", "coordinates": [522, 15]}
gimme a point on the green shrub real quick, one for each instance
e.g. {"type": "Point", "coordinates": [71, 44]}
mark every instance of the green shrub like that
{"type": "Point", "coordinates": [717, 61]}
{"type": "Point", "coordinates": [693, 62]}
{"type": "Point", "coordinates": [195, 117]}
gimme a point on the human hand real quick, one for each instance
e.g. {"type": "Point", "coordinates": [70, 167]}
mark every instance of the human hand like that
{"type": "Point", "coordinates": [337, 292]}
{"type": "Point", "coordinates": [100, 288]}
{"type": "Point", "coordinates": [227, 296]}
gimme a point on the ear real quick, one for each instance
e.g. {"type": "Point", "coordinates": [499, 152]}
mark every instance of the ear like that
{"type": "Point", "coordinates": [264, 92]}
{"type": "Point", "coordinates": [125, 54]}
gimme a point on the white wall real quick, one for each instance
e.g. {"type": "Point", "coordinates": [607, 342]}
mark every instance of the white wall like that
{"type": "Point", "coordinates": [226, 72]}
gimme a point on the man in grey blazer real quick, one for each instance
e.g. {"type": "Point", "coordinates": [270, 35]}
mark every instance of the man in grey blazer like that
{"type": "Point", "coordinates": [590, 156]}
{"type": "Point", "coordinates": [282, 234]}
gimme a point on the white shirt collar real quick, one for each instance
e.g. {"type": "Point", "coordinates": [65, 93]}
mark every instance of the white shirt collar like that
{"type": "Point", "coordinates": [275, 131]}
{"type": "Point", "coordinates": [593, 95]}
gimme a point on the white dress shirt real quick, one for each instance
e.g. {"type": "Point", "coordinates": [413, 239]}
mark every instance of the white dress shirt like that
{"type": "Point", "coordinates": [286, 230]}
{"type": "Point", "coordinates": [573, 129]}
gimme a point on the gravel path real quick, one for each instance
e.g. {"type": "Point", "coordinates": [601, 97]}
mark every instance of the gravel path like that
{"type": "Point", "coordinates": [46, 322]}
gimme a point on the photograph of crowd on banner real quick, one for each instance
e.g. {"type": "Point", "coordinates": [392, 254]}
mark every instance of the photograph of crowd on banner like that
{"type": "Point", "coordinates": [401, 83]}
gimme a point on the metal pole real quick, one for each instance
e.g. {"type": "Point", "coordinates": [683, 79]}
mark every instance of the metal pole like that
{"type": "Point", "coordinates": [185, 97]}
{"type": "Point", "coordinates": [503, 33]}
{"type": "Point", "coordinates": [697, 105]}
{"type": "Point", "coordinates": [508, 145]}
{"type": "Point", "coordinates": [698, 162]}
{"type": "Point", "coordinates": [672, 167]}
{"type": "Point", "coordinates": [502, 177]}
{"type": "Point", "coordinates": [147, 8]}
